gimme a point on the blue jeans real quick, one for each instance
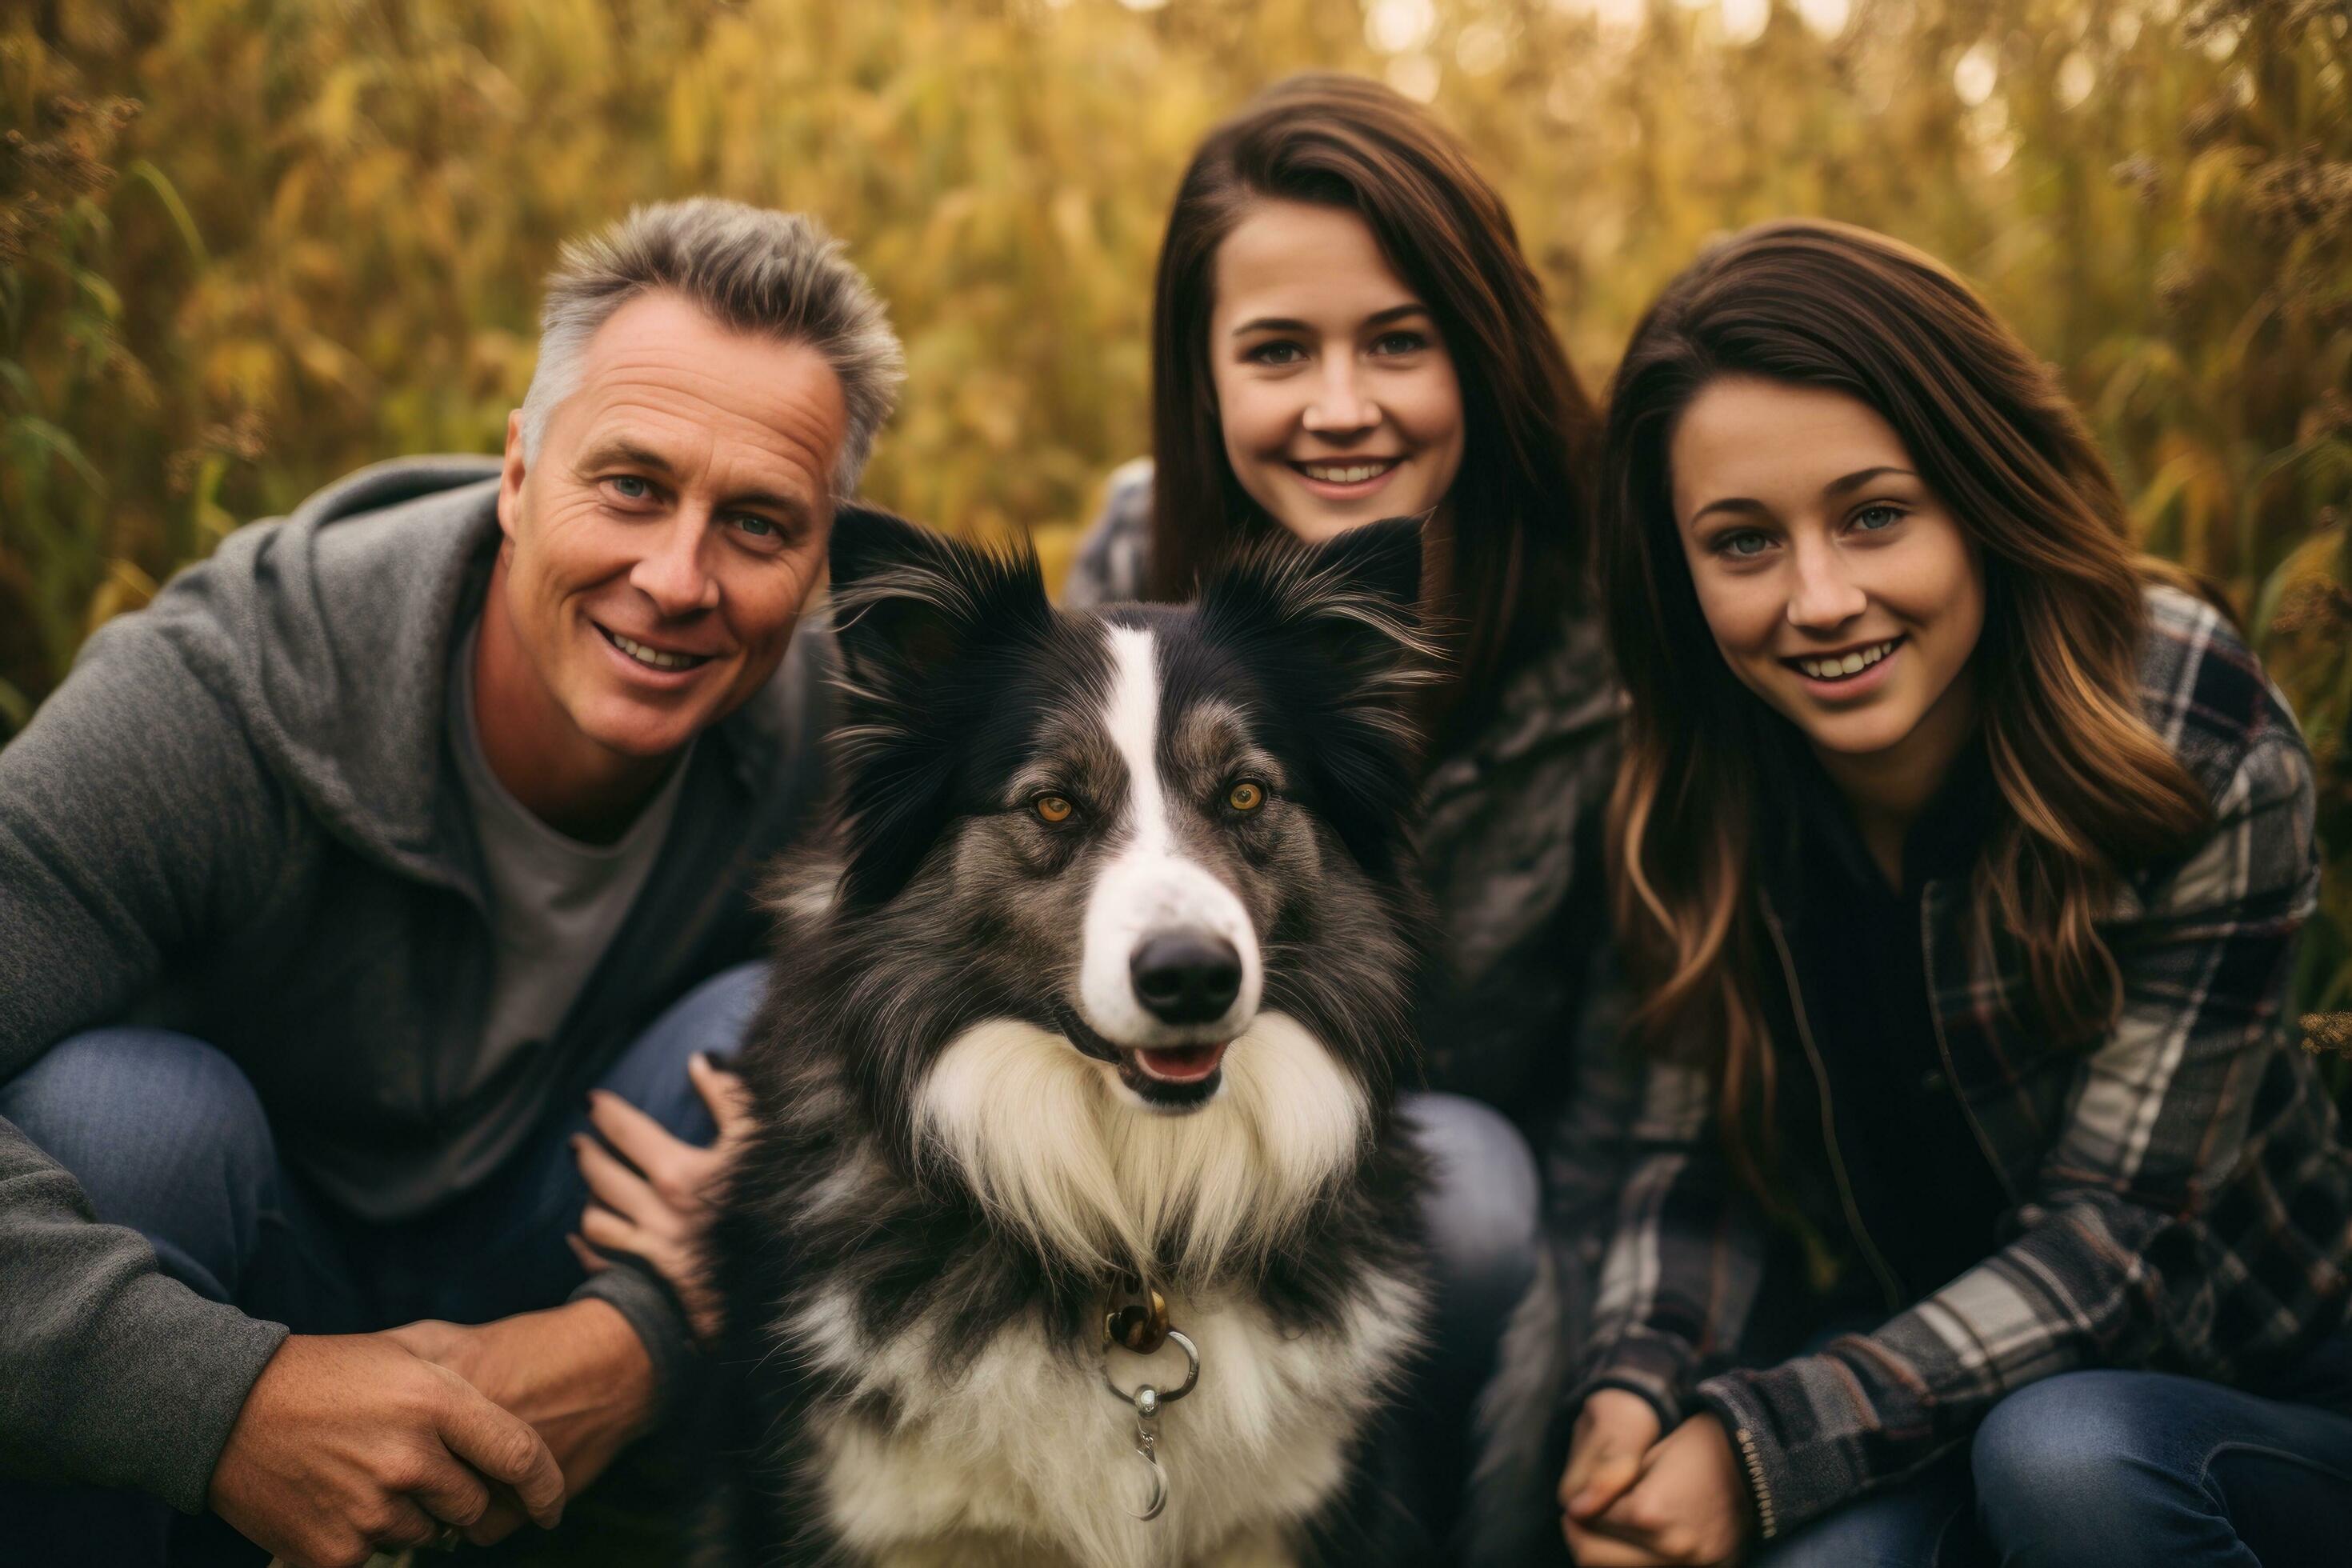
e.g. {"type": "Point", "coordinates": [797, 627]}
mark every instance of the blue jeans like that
{"type": "Point", "coordinates": [1482, 1213]}
{"type": "Point", "coordinates": [2091, 1469]}
{"type": "Point", "coordinates": [166, 1136]}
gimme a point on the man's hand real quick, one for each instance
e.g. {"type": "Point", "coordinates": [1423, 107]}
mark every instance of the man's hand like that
{"type": "Point", "coordinates": [654, 1202]}
{"type": "Point", "coordinates": [350, 1442]}
{"type": "Point", "coordinates": [577, 1374]}
{"type": "Point", "coordinates": [1689, 1508]}
{"type": "Point", "coordinates": [1613, 1435]}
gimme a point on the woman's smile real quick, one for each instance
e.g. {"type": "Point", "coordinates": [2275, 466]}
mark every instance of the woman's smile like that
{"type": "Point", "coordinates": [1843, 674]}
{"type": "Point", "coordinates": [1348, 479]}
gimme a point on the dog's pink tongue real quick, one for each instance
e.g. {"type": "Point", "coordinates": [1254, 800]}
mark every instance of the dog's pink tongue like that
{"type": "Point", "coordinates": [1182, 1064]}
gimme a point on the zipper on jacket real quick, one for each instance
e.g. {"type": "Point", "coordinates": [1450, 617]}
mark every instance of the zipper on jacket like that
{"type": "Point", "coordinates": [1944, 1049]}
{"type": "Point", "coordinates": [1896, 1300]}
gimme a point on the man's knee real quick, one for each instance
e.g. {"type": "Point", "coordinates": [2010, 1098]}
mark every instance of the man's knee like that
{"type": "Point", "coordinates": [164, 1135]}
{"type": "Point", "coordinates": [1485, 1205]}
{"type": "Point", "coordinates": [710, 1019]}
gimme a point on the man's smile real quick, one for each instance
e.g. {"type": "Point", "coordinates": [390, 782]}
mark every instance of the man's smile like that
{"type": "Point", "coordinates": [648, 656]}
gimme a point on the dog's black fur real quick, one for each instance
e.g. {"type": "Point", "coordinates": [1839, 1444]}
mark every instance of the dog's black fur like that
{"type": "Point", "coordinates": [912, 927]}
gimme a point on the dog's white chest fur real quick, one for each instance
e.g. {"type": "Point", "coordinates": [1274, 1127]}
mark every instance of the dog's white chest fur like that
{"type": "Point", "coordinates": [1028, 1458]}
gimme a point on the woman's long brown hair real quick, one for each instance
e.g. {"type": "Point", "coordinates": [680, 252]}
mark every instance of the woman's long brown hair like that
{"type": "Point", "coordinates": [2090, 791]}
{"type": "Point", "coordinates": [1518, 512]}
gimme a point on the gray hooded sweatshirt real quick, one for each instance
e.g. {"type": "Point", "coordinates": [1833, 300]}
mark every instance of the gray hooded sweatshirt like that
{"type": "Point", "coordinates": [240, 818]}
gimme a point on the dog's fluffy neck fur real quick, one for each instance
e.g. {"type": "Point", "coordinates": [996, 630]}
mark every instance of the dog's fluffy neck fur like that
{"type": "Point", "coordinates": [1037, 1133]}
{"type": "Point", "coordinates": [1013, 1162]}
{"type": "Point", "coordinates": [930, 1283]}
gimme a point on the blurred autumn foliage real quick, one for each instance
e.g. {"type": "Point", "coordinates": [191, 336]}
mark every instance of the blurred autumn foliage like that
{"type": "Point", "coordinates": [248, 245]}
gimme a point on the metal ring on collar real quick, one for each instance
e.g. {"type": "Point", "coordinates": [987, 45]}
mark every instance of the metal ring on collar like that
{"type": "Point", "coordinates": [1183, 1341]}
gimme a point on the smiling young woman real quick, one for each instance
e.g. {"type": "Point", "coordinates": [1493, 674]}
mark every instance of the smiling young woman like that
{"type": "Point", "coordinates": [1961, 858]}
{"type": "Point", "coordinates": [1345, 330]}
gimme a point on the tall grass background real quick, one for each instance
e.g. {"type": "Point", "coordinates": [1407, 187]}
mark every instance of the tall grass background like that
{"type": "Point", "coordinates": [248, 245]}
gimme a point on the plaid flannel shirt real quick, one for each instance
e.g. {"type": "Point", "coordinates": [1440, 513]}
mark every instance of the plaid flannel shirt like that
{"type": "Point", "coordinates": [2179, 1197]}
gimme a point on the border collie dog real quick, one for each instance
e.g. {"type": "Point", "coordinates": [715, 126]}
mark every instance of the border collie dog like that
{"type": "Point", "coordinates": [1088, 1023]}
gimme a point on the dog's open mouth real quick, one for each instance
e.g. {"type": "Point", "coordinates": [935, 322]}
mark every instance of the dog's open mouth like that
{"type": "Point", "coordinates": [1168, 1078]}
{"type": "Point", "coordinates": [1181, 1064]}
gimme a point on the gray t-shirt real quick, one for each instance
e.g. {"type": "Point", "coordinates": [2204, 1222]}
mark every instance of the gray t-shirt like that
{"type": "Point", "coordinates": [555, 904]}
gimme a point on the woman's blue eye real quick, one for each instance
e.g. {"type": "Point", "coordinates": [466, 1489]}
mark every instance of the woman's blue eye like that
{"type": "Point", "coordinates": [1885, 516]}
{"type": "Point", "coordinates": [1400, 343]}
{"type": "Point", "coordinates": [1744, 544]}
{"type": "Point", "coordinates": [1278, 354]}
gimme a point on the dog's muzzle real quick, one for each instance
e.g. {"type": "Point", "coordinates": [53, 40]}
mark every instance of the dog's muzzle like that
{"type": "Point", "coordinates": [1186, 976]}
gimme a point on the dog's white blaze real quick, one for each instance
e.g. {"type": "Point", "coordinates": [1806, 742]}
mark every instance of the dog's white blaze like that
{"type": "Point", "coordinates": [1150, 885]}
{"type": "Point", "coordinates": [1041, 1135]}
{"type": "Point", "coordinates": [1026, 1458]}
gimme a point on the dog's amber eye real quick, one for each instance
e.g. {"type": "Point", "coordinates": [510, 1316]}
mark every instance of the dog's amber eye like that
{"type": "Point", "coordinates": [1246, 795]}
{"type": "Point", "coordinates": [1052, 807]}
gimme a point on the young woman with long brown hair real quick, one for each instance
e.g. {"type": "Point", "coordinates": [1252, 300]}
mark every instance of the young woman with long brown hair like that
{"type": "Point", "coordinates": [1959, 857]}
{"type": "Point", "coordinates": [1345, 329]}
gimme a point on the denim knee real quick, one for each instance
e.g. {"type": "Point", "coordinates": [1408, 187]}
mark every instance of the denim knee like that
{"type": "Point", "coordinates": [712, 1019]}
{"type": "Point", "coordinates": [2067, 1468]}
{"type": "Point", "coordinates": [1484, 1208]}
{"type": "Point", "coordinates": [165, 1135]}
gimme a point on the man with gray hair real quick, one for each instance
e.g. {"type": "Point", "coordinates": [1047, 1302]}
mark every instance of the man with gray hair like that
{"type": "Point", "coordinates": [355, 893]}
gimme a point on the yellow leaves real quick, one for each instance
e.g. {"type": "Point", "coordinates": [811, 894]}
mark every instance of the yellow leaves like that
{"type": "Point", "coordinates": [1074, 225]}
{"type": "Point", "coordinates": [692, 111]}
{"type": "Point", "coordinates": [990, 406]}
{"type": "Point", "coordinates": [2216, 177]}
{"type": "Point", "coordinates": [339, 217]}
{"type": "Point", "coordinates": [334, 120]}
{"type": "Point", "coordinates": [126, 587]}
{"type": "Point", "coordinates": [330, 367]}
{"type": "Point", "coordinates": [380, 180]}
{"type": "Point", "coordinates": [2186, 504]}
{"type": "Point", "coordinates": [245, 372]}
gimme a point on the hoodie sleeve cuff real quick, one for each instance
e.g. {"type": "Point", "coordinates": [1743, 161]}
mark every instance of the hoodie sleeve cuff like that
{"type": "Point", "coordinates": [1766, 1413]}
{"type": "Point", "coordinates": [653, 1310]}
{"type": "Point", "coordinates": [1656, 1366]}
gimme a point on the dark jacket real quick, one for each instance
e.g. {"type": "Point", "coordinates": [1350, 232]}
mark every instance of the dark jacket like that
{"type": "Point", "coordinates": [239, 817]}
{"type": "Point", "coordinates": [1525, 993]}
{"type": "Point", "coordinates": [2180, 1198]}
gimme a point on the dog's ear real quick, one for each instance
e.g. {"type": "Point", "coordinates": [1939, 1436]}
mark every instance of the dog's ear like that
{"type": "Point", "coordinates": [910, 602]}
{"type": "Point", "coordinates": [1349, 604]}
{"type": "Point", "coordinates": [1382, 558]}
{"type": "Point", "coordinates": [1336, 631]}
{"type": "Point", "coordinates": [1339, 640]}
{"type": "Point", "coordinates": [924, 624]}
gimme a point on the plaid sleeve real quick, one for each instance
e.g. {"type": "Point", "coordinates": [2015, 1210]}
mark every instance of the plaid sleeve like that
{"type": "Point", "coordinates": [2159, 1233]}
{"type": "Point", "coordinates": [1684, 1258]}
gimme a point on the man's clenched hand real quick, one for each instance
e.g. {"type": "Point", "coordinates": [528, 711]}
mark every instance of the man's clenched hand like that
{"type": "Point", "coordinates": [578, 1373]}
{"type": "Point", "coordinates": [349, 1443]}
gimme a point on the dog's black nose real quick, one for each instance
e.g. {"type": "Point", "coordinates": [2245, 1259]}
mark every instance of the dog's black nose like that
{"type": "Point", "coordinates": [1186, 977]}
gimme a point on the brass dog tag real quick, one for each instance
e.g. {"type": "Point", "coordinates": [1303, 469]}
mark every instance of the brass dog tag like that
{"type": "Point", "coordinates": [1140, 1326]}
